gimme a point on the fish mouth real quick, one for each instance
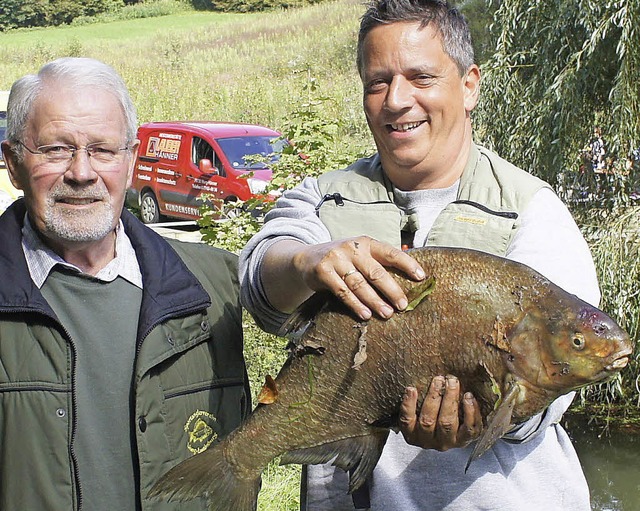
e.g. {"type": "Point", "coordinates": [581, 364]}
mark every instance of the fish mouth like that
{"type": "Point", "coordinates": [621, 360]}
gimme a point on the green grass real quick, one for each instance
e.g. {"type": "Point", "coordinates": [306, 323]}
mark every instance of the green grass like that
{"type": "Point", "coordinates": [236, 67]}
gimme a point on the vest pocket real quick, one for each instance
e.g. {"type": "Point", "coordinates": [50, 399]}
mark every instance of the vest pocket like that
{"type": "Point", "coordinates": [466, 225]}
{"type": "Point", "coordinates": [381, 221]}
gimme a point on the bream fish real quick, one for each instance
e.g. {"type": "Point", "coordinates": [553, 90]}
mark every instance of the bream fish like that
{"type": "Point", "coordinates": [513, 338]}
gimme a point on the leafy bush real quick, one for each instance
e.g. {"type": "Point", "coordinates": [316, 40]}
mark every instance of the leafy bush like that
{"type": "Point", "coordinates": [41, 13]}
{"type": "Point", "coordinates": [312, 137]}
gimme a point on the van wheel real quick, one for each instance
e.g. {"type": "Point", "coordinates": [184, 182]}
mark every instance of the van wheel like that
{"type": "Point", "coordinates": [149, 210]}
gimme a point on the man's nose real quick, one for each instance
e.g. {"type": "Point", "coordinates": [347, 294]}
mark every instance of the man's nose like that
{"type": "Point", "coordinates": [400, 94]}
{"type": "Point", "coordinates": [80, 169]}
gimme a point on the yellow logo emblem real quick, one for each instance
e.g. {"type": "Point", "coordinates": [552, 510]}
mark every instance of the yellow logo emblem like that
{"type": "Point", "coordinates": [200, 429]}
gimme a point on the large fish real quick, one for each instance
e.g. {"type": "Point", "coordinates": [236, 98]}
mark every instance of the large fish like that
{"type": "Point", "coordinates": [513, 338]}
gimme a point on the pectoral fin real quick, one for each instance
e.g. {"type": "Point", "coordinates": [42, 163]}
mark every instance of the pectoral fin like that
{"type": "Point", "coordinates": [498, 423]}
{"type": "Point", "coordinates": [357, 455]}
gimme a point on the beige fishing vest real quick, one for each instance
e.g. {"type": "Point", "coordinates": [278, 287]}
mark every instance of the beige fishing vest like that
{"type": "Point", "coordinates": [358, 200]}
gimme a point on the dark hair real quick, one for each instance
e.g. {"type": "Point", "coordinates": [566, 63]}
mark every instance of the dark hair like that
{"type": "Point", "coordinates": [448, 22]}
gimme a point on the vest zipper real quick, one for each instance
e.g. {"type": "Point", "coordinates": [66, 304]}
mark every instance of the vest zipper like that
{"type": "Point", "coordinates": [74, 423]}
{"type": "Point", "coordinates": [504, 214]}
{"type": "Point", "coordinates": [340, 200]}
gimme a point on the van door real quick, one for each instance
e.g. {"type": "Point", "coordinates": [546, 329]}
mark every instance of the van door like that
{"type": "Point", "coordinates": [165, 154]}
{"type": "Point", "coordinates": [207, 174]}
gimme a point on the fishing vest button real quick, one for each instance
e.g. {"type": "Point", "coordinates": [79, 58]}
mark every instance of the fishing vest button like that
{"type": "Point", "coordinates": [142, 424]}
{"type": "Point", "coordinates": [204, 325]}
{"type": "Point", "coordinates": [61, 412]}
{"type": "Point", "coordinates": [170, 340]}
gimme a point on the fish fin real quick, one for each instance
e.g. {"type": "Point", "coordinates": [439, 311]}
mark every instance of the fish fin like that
{"type": "Point", "coordinates": [300, 319]}
{"type": "Point", "coordinates": [357, 455]}
{"type": "Point", "coordinates": [269, 392]}
{"type": "Point", "coordinates": [208, 474]}
{"type": "Point", "coordinates": [498, 423]}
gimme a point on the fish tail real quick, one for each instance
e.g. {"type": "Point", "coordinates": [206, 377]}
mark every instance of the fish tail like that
{"type": "Point", "coordinates": [210, 475]}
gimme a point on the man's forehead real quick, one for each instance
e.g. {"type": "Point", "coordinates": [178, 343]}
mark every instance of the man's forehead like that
{"type": "Point", "coordinates": [57, 103]}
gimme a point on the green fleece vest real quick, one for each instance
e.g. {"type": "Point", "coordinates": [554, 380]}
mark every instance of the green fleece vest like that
{"type": "Point", "coordinates": [358, 200]}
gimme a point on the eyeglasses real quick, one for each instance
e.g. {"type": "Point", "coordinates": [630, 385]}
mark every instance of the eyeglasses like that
{"type": "Point", "coordinates": [102, 155]}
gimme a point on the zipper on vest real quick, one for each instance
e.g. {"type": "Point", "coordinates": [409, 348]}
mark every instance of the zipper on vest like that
{"type": "Point", "coordinates": [74, 423]}
{"type": "Point", "coordinates": [504, 214]}
{"type": "Point", "coordinates": [340, 200]}
{"type": "Point", "coordinates": [330, 196]}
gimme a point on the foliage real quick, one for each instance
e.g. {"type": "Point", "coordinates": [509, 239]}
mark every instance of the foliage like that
{"type": "Point", "coordinates": [614, 239]}
{"type": "Point", "coordinates": [309, 154]}
{"type": "Point", "coordinates": [38, 13]}
{"type": "Point", "coordinates": [149, 9]}
{"type": "Point", "coordinates": [479, 15]}
{"type": "Point", "coordinates": [244, 5]}
{"type": "Point", "coordinates": [559, 69]}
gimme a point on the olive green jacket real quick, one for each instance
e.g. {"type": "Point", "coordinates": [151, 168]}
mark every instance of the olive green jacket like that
{"type": "Point", "coordinates": [359, 200]}
{"type": "Point", "coordinates": [189, 387]}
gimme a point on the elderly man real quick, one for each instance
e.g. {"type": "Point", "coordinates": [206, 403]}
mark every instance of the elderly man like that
{"type": "Point", "coordinates": [429, 184]}
{"type": "Point", "coordinates": [121, 353]}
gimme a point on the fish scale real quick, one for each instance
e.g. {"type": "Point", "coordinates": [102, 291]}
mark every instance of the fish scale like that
{"type": "Point", "coordinates": [511, 337]}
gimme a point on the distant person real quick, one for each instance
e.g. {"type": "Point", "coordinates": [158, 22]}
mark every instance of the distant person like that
{"type": "Point", "coordinates": [120, 353]}
{"type": "Point", "coordinates": [429, 184]}
{"type": "Point", "coordinates": [598, 151]}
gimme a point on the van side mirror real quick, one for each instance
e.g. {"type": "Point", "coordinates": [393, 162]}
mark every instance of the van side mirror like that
{"type": "Point", "coordinates": [206, 167]}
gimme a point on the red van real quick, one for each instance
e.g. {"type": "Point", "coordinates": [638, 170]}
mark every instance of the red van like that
{"type": "Point", "coordinates": [179, 161]}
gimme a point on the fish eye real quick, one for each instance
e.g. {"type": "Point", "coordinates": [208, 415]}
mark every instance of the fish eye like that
{"type": "Point", "coordinates": [578, 341]}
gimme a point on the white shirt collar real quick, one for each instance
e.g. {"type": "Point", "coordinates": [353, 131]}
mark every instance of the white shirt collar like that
{"type": "Point", "coordinates": [41, 259]}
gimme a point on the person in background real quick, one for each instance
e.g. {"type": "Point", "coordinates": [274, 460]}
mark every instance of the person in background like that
{"type": "Point", "coordinates": [597, 151]}
{"type": "Point", "coordinates": [121, 352]}
{"type": "Point", "coordinates": [428, 184]}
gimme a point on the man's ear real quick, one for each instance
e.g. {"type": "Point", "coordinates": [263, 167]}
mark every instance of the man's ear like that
{"type": "Point", "coordinates": [135, 146]}
{"type": "Point", "coordinates": [11, 159]}
{"type": "Point", "coordinates": [471, 84]}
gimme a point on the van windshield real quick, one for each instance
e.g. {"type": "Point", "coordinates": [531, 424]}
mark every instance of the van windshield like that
{"type": "Point", "coordinates": [237, 149]}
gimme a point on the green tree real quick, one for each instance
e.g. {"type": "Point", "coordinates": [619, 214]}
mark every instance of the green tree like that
{"type": "Point", "coordinates": [42, 13]}
{"type": "Point", "coordinates": [479, 15]}
{"type": "Point", "coordinates": [559, 69]}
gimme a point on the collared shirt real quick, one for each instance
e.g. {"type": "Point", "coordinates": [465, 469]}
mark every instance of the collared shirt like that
{"type": "Point", "coordinates": [41, 259]}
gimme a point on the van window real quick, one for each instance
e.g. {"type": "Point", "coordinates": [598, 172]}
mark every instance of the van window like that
{"type": "Point", "coordinates": [202, 150]}
{"type": "Point", "coordinates": [238, 148]}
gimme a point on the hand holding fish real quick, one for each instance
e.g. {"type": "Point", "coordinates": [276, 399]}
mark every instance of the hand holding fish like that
{"type": "Point", "coordinates": [352, 269]}
{"type": "Point", "coordinates": [437, 425]}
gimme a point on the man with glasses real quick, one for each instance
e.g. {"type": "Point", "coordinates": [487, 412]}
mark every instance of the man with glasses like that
{"type": "Point", "coordinates": [109, 373]}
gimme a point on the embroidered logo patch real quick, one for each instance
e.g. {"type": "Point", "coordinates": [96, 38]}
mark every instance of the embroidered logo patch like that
{"type": "Point", "coordinates": [200, 429]}
{"type": "Point", "coordinates": [470, 220]}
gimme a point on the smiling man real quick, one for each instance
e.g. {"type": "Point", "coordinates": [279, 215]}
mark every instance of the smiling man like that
{"type": "Point", "coordinates": [428, 185]}
{"type": "Point", "coordinates": [114, 343]}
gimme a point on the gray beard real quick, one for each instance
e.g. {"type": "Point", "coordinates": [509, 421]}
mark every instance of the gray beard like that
{"type": "Point", "coordinates": [83, 227]}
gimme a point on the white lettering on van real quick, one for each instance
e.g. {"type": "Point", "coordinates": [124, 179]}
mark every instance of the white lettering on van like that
{"type": "Point", "coordinates": [174, 136]}
{"type": "Point", "coordinates": [166, 172]}
{"type": "Point", "coordinates": [177, 208]}
{"type": "Point", "coordinates": [165, 181]}
{"type": "Point", "coordinates": [146, 168]}
{"type": "Point", "coordinates": [144, 177]}
{"type": "Point", "coordinates": [204, 187]}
